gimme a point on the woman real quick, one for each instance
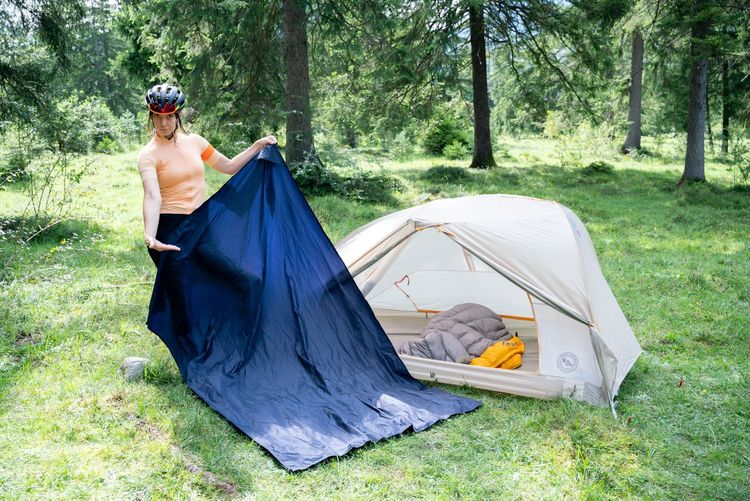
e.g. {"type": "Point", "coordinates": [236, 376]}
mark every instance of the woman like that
{"type": "Point", "coordinates": [171, 167]}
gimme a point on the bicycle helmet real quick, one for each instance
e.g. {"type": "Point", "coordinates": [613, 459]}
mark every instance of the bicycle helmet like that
{"type": "Point", "coordinates": [165, 99]}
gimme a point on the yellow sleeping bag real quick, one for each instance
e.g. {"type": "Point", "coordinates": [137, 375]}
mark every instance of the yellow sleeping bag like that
{"type": "Point", "coordinates": [502, 355]}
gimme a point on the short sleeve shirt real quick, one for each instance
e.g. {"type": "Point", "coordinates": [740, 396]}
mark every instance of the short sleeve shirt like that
{"type": "Point", "coordinates": [178, 167]}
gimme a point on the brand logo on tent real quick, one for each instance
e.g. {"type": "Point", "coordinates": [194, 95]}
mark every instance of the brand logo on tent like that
{"type": "Point", "coordinates": [567, 362]}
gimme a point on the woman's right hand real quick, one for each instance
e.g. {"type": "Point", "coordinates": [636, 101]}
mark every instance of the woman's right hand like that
{"type": "Point", "coordinates": [153, 243]}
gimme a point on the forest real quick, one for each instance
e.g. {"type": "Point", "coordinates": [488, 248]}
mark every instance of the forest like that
{"type": "Point", "coordinates": [634, 113]}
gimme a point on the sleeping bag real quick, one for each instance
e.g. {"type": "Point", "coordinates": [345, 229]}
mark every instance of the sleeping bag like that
{"type": "Point", "coordinates": [458, 334]}
{"type": "Point", "coordinates": [505, 354]}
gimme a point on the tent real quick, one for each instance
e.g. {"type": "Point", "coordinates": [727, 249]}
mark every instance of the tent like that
{"type": "Point", "coordinates": [267, 326]}
{"type": "Point", "coordinates": [531, 261]}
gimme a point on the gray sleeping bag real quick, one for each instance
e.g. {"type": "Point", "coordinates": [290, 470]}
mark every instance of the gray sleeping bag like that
{"type": "Point", "coordinates": [458, 334]}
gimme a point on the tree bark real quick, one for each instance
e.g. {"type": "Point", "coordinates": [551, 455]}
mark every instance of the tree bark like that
{"type": "Point", "coordinates": [483, 157]}
{"type": "Point", "coordinates": [695, 154]}
{"type": "Point", "coordinates": [633, 139]}
{"type": "Point", "coordinates": [725, 107]}
{"type": "Point", "coordinates": [350, 136]}
{"type": "Point", "coordinates": [708, 122]}
{"type": "Point", "coordinates": [299, 137]}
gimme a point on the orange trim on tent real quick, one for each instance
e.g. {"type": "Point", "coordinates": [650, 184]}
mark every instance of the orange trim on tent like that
{"type": "Point", "coordinates": [512, 317]}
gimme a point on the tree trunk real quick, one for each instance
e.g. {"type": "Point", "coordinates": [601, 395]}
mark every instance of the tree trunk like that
{"type": "Point", "coordinates": [299, 137]}
{"type": "Point", "coordinates": [725, 107]}
{"type": "Point", "coordinates": [482, 138]}
{"type": "Point", "coordinates": [633, 139]}
{"type": "Point", "coordinates": [708, 122]}
{"type": "Point", "coordinates": [350, 136]}
{"type": "Point", "coordinates": [695, 155]}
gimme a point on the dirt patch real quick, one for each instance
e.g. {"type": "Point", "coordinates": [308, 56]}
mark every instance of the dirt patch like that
{"type": "Point", "coordinates": [24, 338]}
{"type": "Point", "coordinates": [115, 399]}
{"type": "Point", "coordinates": [212, 479]}
{"type": "Point", "coordinates": [144, 426]}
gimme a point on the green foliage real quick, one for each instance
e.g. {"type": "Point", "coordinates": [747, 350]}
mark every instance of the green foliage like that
{"type": "Point", "coordinates": [368, 187]}
{"type": "Point", "coordinates": [587, 142]}
{"type": "Point", "coordinates": [230, 71]}
{"type": "Point", "coordinates": [129, 127]}
{"type": "Point", "coordinates": [456, 150]}
{"type": "Point", "coordinates": [314, 178]}
{"type": "Point", "coordinates": [67, 126]}
{"type": "Point", "coordinates": [106, 145]}
{"type": "Point", "coordinates": [78, 124]}
{"type": "Point", "coordinates": [500, 150]}
{"type": "Point", "coordinates": [338, 174]}
{"type": "Point", "coordinates": [15, 167]}
{"type": "Point", "coordinates": [71, 315]}
{"type": "Point", "coordinates": [333, 155]}
{"type": "Point", "coordinates": [443, 131]}
{"type": "Point", "coordinates": [35, 46]}
{"type": "Point", "coordinates": [552, 125]}
{"type": "Point", "coordinates": [402, 146]}
{"type": "Point", "coordinates": [739, 159]}
{"type": "Point", "coordinates": [444, 174]}
{"type": "Point", "coordinates": [598, 167]}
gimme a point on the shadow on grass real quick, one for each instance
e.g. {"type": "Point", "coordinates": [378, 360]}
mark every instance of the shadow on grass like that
{"type": "Point", "coordinates": [546, 181]}
{"type": "Point", "coordinates": [178, 396]}
{"type": "Point", "coordinates": [23, 227]}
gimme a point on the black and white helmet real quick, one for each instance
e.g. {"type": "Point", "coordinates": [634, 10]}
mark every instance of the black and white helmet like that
{"type": "Point", "coordinates": [165, 99]}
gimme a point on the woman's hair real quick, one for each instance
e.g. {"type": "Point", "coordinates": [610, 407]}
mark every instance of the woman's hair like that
{"type": "Point", "coordinates": [150, 123]}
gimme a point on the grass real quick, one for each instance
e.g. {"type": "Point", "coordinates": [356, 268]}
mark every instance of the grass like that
{"type": "Point", "coordinates": [678, 261]}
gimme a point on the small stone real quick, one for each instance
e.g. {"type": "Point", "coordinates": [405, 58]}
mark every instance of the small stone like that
{"type": "Point", "coordinates": [132, 368]}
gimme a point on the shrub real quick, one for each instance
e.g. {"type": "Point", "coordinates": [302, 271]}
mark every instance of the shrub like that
{"type": "Point", "coordinates": [445, 174]}
{"type": "Point", "coordinates": [456, 150]}
{"type": "Point", "coordinates": [75, 125]}
{"type": "Point", "coordinates": [501, 150]}
{"type": "Point", "coordinates": [129, 127]}
{"type": "Point", "coordinates": [104, 128]}
{"type": "Point", "coordinates": [739, 158]}
{"type": "Point", "coordinates": [15, 168]}
{"type": "Point", "coordinates": [552, 124]}
{"type": "Point", "coordinates": [444, 131]}
{"type": "Point", "coordinates": [313, 177]}
{"type": "Point", "coordinates": [586, 143]}
{"type": "Point", "coordinates": [598, 167]}
{"type": "Point", "coordinates": [402, 146]}
{"type": "Point", "coordinates": [106, 145]}
{"type": "Point", "coordinates": [367, 187]}
{"type": "Point", "coordinates": [324, 178]}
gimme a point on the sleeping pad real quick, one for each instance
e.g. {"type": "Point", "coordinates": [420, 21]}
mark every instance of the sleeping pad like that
{"type": "Point", "coordinates": [268, 327]}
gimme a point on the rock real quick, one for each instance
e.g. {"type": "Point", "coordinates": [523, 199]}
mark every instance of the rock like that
{"type": "Point", "coordinates": [132, 368]}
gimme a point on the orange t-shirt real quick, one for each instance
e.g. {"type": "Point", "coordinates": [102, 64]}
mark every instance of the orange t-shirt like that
{"type": "Point", "coordinates": [178, 167]}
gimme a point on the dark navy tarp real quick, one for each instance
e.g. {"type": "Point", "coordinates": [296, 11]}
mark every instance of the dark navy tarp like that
{"type": "Point", "coordinates": [268, 327]}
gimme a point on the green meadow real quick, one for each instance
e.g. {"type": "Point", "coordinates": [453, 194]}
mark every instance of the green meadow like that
{"type": "Point", "coordinates": [75, 300]}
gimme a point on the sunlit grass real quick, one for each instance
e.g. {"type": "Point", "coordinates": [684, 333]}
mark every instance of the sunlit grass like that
{"type": "Point", "coordinates": [678, 261]}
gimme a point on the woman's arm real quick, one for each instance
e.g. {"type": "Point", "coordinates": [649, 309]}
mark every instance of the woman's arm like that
{"type": "Point", "coordinates": [151, 207]}
{"type": "Point", "coordinates": [236, 163]}
{"type": "Point", "coordinates": [221, 163]}
{"type": "Point", "coordinates": [151, 203]}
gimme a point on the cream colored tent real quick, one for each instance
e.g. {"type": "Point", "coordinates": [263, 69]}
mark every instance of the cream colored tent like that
{"type": "Point", "coordinates": [530, 260]}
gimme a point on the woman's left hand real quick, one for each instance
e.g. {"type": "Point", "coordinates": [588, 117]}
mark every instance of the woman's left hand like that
{"type": "Point", "coordinates": [266, 141]}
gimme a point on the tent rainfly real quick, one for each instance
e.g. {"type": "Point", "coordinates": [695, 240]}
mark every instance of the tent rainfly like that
{"type": "Point", "coordinates": [529, 260]}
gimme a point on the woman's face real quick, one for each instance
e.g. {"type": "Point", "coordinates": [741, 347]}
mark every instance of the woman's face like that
{"type": "Point", "coordinates": [165, 124]}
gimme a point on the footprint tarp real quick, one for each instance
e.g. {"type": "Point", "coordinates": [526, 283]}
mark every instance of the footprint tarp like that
{"type": "Point", "coordinates": [267, 326]}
